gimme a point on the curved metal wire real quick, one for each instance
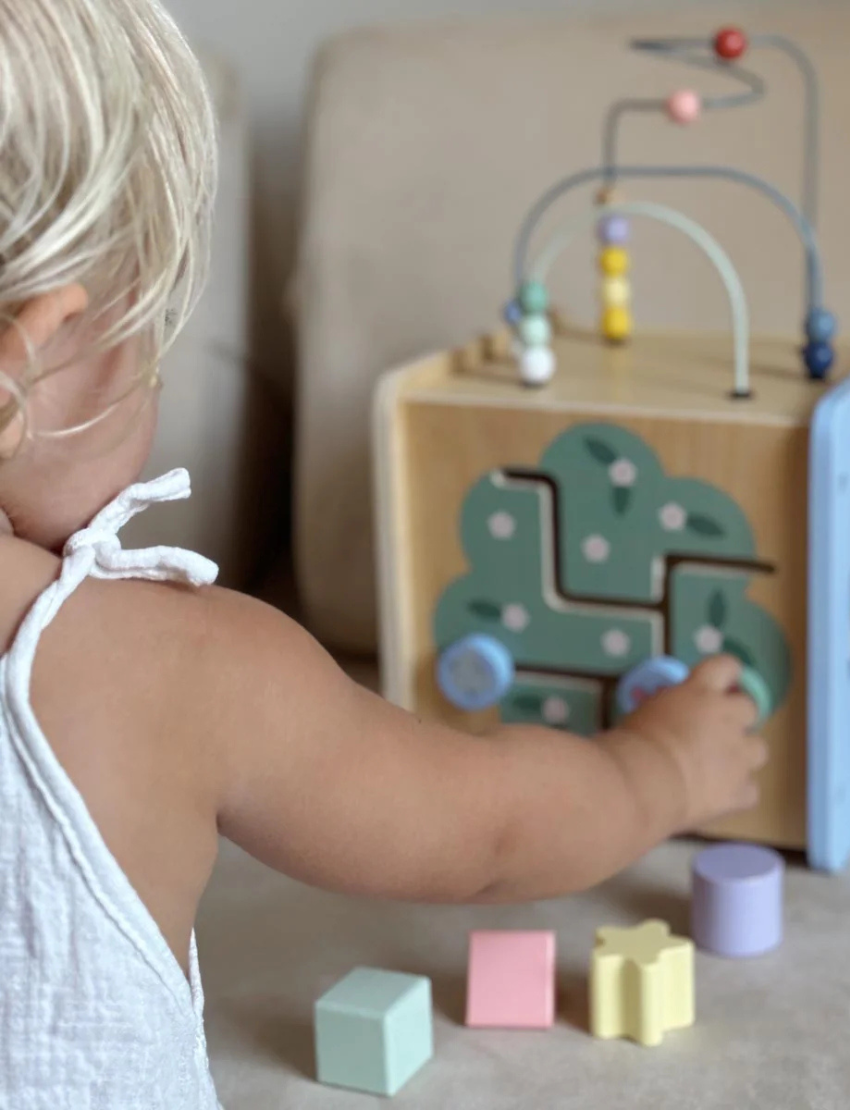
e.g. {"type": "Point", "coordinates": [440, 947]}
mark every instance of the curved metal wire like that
{"type": "Point", "coordinates": [562, 239]}
{"type": "Point", "coordinates": [698, 53]}
{"type": "Point", "coordinates": [682, 50]}
{"type": "Point", "coordinates": [814, 267]}
{"type": "Point", "coordinates": [811, 168]}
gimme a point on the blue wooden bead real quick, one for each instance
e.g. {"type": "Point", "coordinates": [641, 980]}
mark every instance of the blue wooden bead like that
{"type": "Point", "coordinates": [819, 359]}
{"type": "Point", "coordinates": [613, 231]}
{"type": "Point", "coordinates": [476, 673]}
{"type": "Point", "coordinates": [821, 326]}
{"type": "Point", "coordinates": [512, 313]}
{"type": "Point", "coordinates": [534, 298]}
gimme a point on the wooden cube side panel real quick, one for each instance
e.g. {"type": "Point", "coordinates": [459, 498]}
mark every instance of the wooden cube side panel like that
{"type": "Point", "coordinates": [445, 449]}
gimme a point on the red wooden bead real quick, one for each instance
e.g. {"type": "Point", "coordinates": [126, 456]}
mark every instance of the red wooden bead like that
{"type": "Point", "coordinates": [730, 43]}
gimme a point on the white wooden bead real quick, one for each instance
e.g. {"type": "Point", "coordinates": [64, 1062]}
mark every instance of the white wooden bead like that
{"type": "Point", "coordinates": [537, 366]}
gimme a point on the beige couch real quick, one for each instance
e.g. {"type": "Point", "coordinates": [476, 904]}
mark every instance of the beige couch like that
{"type": "Point", "coordinates": [207, 409]}
{"type": "Point", "coordinates": [425, 148]}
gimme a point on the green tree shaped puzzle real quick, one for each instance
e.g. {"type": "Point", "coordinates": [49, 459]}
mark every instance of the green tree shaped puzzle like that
{"type": "Point", "coordinates": [597, 561]}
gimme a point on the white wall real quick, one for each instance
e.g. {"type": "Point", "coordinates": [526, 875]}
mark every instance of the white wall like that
{"type": "Point", "coordinates": [271, 43]}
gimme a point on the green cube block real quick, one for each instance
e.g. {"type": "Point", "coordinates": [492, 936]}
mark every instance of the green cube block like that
{"type": "Point", "coordinates": [374, 1031]}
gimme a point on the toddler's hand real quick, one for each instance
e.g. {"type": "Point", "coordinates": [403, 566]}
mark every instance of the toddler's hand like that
{"type": "Point", "coordinates": [705, 727]}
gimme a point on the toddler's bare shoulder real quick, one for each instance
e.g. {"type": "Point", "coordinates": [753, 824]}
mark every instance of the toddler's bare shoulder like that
{"type": "Point", "coordinates": [193, 653]}
{"type": "Point", "coordinates": [141, 625]}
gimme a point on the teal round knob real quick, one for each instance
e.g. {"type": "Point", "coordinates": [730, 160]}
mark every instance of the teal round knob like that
{"type": "Point", "coordinates": [476, 673]}
{"type": "Point", "coordinates": [754, 686]}
{"type": "Point", "coordinates": [648, 679]}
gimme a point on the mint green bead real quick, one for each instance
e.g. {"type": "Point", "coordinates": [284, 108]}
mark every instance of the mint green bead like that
{"type": "Point", "coordinates": [534, 298]}
{"type": "Point", "coordinates": [535, 331]}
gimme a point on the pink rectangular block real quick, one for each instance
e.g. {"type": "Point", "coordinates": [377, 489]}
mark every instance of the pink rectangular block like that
{"type": "Point", "coordinates": [511, 980]}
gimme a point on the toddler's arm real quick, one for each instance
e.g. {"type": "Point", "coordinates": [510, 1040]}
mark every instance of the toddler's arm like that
{"type": "Point", "coordinates": [328, 783]}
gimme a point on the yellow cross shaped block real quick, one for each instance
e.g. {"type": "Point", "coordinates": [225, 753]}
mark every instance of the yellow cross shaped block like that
{"type": "Point", "coordinates": [641, 983]}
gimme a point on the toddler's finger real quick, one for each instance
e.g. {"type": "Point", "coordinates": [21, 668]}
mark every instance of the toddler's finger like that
{"type": "Point", "coordinates": [749, 796]}
{"type": "Point", "coordinates": [758, 752]}
{"type": "Point", "coordinates": [743, 709]}
{"type": "Point", "coordinates": [721, 674]}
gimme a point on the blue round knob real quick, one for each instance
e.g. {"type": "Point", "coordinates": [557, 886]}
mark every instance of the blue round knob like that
{"type": "Point", "coordinates": [648, 679]}
{"type": "Point", "coordinates": [476, 673]}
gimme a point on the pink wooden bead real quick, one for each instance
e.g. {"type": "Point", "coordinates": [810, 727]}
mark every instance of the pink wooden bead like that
{"type": "Point", "coordinates": [511, 980]}
{"type": "Point", "coordinates": [684, 106]}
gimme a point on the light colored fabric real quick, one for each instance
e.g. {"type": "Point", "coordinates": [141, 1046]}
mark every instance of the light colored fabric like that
{"type": "Point", "coordinates": [425, 148]}
{"type": "Point", "coordinates": [95, 1011]}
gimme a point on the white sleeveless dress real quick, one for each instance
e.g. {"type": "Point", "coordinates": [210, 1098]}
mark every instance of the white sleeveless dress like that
{"type": "Point", "coordinates": [95, 1011]}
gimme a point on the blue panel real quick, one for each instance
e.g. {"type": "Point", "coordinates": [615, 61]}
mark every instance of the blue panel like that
{"type": "Point", "coordinates": [829, 633]}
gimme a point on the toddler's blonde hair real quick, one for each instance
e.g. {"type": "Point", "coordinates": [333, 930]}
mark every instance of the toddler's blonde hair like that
{"type": "Point", "coordinates": [107, 167]}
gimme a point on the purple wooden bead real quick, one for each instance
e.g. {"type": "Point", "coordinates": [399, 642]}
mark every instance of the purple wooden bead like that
{"type": "Point", "coordinates": [614, 231]}
{"type": "Point", "coordinates": [737, 900]}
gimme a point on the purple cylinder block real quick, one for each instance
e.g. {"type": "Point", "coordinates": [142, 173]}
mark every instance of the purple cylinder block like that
{"type": "Point", "coordinates": [738, 900]}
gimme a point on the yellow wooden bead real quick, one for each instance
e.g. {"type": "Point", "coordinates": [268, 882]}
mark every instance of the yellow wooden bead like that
{"type": "Point", "coordinates": [614, 261]}
{"type": "Point", "coordinates": [616, 292]}
{"type": "Point", "coordinates": [617, 324]}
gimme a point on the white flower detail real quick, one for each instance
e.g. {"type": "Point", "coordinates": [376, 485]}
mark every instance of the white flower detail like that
{"type": "Point", "coordinates": [596, 549]}
{"type": "Point", "coordinates": [616, 643]}
{"type": "Point", "coordinates": [623, 473]}
{"type": "Point", "coordinates": [516, 618]}
{"type": "Point", "coordinates": [556, 711]}
{"type": "Point", "coordinates": [709, 640]}
{"type": "Point", "coordinates": [502, 526]}
{"type": "Point", "coordinates": [673, 517]}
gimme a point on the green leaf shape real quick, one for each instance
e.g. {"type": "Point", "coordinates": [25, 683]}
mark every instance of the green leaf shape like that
{"type": "Point", "coordinates": [622, 499]}
{"type": "Point", "coordinates": [528, 703]}
{"type": "Point", "coordinates": [736, 648]}
{"type": "Point", "coordinates": [718, 610]}
{"type": "Point", "coordinates": [705, 526]}
{"type": "Point", "coordinates": [600, 451]}
{"type": "Point", "coordinates": [486, 610]}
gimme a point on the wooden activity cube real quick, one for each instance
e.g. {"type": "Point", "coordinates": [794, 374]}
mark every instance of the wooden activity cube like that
{"type": "Point", "coordinates": [632, 509]}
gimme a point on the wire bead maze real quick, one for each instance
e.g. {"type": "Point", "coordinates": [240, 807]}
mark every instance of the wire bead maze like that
{"type": "Point", "coordinates": [528, 313]}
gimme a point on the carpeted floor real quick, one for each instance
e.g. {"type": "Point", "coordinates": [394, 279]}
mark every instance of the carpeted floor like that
{"type": "Point", "coordinates": [772, 1034]}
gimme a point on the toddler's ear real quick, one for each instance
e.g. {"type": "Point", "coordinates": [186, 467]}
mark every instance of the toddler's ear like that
{"type": "Point", "coordinates": [34, 328]}
{"type": "Point", "coordinates": [39, 322]}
